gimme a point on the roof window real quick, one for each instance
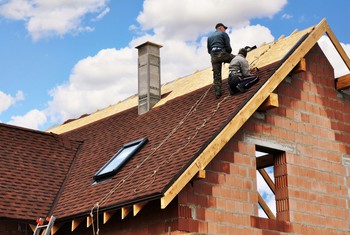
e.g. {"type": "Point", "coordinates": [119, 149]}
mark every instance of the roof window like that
{"type": "Point", "coordinates": [120, 158]}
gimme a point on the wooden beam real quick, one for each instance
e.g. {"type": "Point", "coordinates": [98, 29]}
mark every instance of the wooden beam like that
{"type": "Point", "coordinates": [337, 45]}
{"type": "Point", "coordinates": [107, 215]}
{"type": "Point", "coordinates": [32, 227]}
{"type": "Point", "coordinates": [125, 211]}
{"type": "Point", "coordinates": [343, 82]}
{"type": "Point", "coordinates": [243, 115]}
{"type": "Point", "coordinates": [201, 174]}
{"type": "Point", "coordinates": [137, 207]}
{"type": "Point", "coordinates": [55, 228]}
{"type": "Point", "coordinates": [265, 207]}
{"type": "Point", "coordinates": [89, 221]}
{"type": "Point", "coordinates": [75, 223]}
{"type": "Point", "coordinates": [270, 102]}
{"type": "Point", "coordinates": [264, 161]}
{"type": "Point", "coordinates": [267, 179]}
{"type": "Point", "coordinates": [300, 67]}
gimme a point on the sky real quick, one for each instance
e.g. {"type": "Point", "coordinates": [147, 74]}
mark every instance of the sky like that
{"type": "Point", "coordinates": [61, 59]}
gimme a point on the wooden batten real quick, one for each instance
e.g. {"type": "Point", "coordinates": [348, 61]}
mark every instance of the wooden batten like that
{"type": "Point", "coordinates": [138, 207]}
{"type": "Point", "coordinates": [343, 82]}
{"type": "Point", "coordinates": [265, 207]}
{"type": "Point", "coordinates": [75, 223]}
{"type": "Point", "coordinates": [107, 215]}
{"type": "Point", "coordinates": [126, 211]}
{"type": "Point", "coordinates": [270, 102]}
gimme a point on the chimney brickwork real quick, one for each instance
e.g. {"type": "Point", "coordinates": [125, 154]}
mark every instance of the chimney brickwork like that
{"type": "Point", "coordinates": [149, 83]}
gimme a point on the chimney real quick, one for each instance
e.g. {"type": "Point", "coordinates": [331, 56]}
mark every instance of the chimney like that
{"type": "Point", "coordinates": [148, 76]}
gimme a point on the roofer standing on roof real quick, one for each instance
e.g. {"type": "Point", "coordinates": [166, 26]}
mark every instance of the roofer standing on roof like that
{"type": "Point", "coordinates": [220, 50]}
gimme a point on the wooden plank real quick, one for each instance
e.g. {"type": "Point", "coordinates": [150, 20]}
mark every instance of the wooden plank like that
{"type": "Point", "coordinates": [75, 223]}
{"type": "Point", "coordinates": [32, 227]}
{"type": "Point", "coordinates": [270, 102]}
{"type": "Point", "coordinates": [125, 211]}
{"type": "Point", "coordinates": [343, 82]}
{"type": "Point", "coordinates": [138, 207]}
{"type": "Point", "coordinates": [201, 174]}
{"type": "Point", "coordinates": [243, 115]}
{"type": "Point", "coordinates": [89, 221]}
{"type": "Point", "coordinates": [107, 215]}
{"type": "Point", "coordinates": [265, 207]}
{"type": "Point", "coordinates": [264, 161]}
{"type": "Point", "coordinates": [267, 179]}
{"type": "Point", "coordinates": [300, 67]}
{"type": "Point", "coordinates": [55, 228]}
{"type": "Point", "coordinates": [337, 45]}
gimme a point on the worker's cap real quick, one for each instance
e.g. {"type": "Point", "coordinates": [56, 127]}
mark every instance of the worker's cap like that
{"type": "Point", "coordinates": [243, 52]}
{"type": "Point", "coordinates": [220, 24]}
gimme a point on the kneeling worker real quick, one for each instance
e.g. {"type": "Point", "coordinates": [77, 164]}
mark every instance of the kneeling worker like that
{"type": "Point", "coordinates": [240, 78]}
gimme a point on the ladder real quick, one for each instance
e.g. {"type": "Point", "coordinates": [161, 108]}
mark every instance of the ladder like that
{"type": "Point", "coordinates": [44, 225]}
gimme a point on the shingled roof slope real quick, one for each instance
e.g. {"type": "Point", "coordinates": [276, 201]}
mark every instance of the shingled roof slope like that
{"type": "Point", "coordinates": [172, 144]}
{"type": "Point", "coordinates": [32, 170]}
{"type": "Point", "coordinates": [260, 57]}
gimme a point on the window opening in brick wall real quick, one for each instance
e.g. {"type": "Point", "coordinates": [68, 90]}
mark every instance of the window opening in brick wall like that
{"type": "Point", "coordinates": [271, 167]}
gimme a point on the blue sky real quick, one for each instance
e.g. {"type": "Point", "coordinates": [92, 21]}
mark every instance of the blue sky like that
{"type": "Point", "coordinates": [61, 59]}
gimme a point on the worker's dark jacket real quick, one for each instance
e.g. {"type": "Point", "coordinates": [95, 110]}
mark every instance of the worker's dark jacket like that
{"type": "Point", "coordinates": [219, 41]}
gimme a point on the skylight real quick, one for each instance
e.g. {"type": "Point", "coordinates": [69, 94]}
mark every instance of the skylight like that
{"type": "Point", "coordinates": [120, 158]}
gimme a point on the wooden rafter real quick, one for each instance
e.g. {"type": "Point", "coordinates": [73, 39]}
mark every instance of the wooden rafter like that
{"type": "Point", "coordinates": [265, 207]}
{"type": "Point", "coordinates": [107, 215]}
{"type": "Point", "coordinates": [89, 221]}
{"type": "Point", "coordinates": [244, 114]}
{"type": "Point", "coordinates": [126, 211]}
{"type": "Point", "coordinates": [300, 67]}
{"type": "Point", "coordinates": [75, 223]}
{"type": "Point", "coordinates": [270, 102]}
{"type": "Point", "coordinates": [267, 179]}
{"type": "Point", "coordinates": [343, 82]}
{"type": "Point", "coordinates": [138, 207]}
{"type": "Point", "coordinates": [337, 45]}
{"type": "Point", "coordinates": [55, 228]}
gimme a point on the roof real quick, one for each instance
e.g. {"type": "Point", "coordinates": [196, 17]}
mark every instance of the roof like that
{"type": "Point", "coordinates": [33, 168]}
{"type": "Point", "coordinates": [185, 130]}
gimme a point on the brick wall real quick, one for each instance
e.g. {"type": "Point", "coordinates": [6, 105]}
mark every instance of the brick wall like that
{"type": "Point", "coordinates": [312, 126]}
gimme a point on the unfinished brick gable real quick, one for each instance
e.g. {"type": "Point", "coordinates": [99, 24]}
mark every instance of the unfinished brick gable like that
{"type": "Point", "coordinates": [308, 123]}
{"type": "Point", "coordinates": [307, 127]}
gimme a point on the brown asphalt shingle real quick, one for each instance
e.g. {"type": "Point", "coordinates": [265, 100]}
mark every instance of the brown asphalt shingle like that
{"type": "Point", "coordinates": [149, 173]}
{"type": "Point", "coordinates": [33, 166]}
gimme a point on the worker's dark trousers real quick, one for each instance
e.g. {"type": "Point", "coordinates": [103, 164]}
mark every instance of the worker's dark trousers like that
{"type": "Point", "coordinates": [241, 84]}
{"type": "Point", "coordinates": [217, 58]}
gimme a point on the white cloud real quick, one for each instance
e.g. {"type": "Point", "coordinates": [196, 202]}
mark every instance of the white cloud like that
{"type": "Point", "coordinates": [333, 56]}
{"type": "Point", "coordinates": [6, 100]}
{"type": "Point", "coordinates": [33, 119]}
{"type": "Point", "coordinates": [52, 18]}
{"type": "Point", "coordinates": [111, 75]}
{"type": "Point", "coordinates": [95, 83]}
{"type": "Point", "coordinates": [187, 19]}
